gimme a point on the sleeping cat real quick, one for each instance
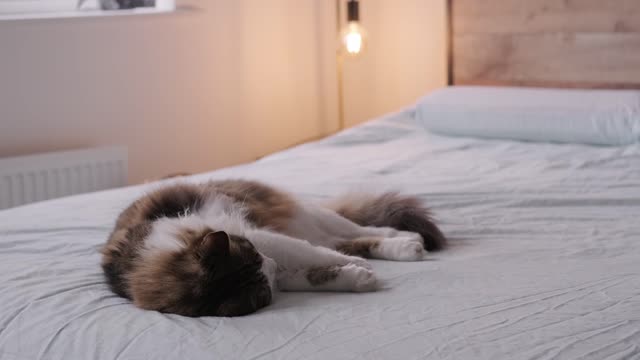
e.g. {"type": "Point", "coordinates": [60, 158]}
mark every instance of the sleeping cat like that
{"type": "Point", "coordinates": [222, 248]}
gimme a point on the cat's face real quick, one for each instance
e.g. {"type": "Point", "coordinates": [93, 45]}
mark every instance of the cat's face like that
{"type": "Point", "coordinates": [216, 274]}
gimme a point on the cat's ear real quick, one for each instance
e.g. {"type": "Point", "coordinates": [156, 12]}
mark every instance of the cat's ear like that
{"type": "Point", "coordinates": [214, 243]}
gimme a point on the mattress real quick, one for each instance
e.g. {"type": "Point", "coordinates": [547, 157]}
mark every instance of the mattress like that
{"type": "Point", "coordinates": [544, 261]}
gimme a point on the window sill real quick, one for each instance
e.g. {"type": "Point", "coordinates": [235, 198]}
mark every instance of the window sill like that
{"type": "Point", "coordinates": [92, 13]}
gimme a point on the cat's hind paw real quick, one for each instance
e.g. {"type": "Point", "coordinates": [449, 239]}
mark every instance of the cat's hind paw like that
{"type": "Point", "coordinates": [404, 247]}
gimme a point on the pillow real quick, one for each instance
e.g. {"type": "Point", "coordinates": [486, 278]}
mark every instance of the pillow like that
{"type": "Point", "coordinates": [600, 117]}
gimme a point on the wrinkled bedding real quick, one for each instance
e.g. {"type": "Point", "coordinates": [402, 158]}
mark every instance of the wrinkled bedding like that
{"type": "Point", "coordinates": [544, 261]}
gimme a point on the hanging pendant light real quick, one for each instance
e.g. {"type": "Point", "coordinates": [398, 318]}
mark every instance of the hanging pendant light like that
{"type": "Point", "coordinates": [353, 37]}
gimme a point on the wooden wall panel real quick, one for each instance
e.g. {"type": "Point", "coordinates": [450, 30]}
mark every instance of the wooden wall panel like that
{"type": "Point", "coordinates": [566, 43]}
{"type": "Point", "coordinates": [543, 16]}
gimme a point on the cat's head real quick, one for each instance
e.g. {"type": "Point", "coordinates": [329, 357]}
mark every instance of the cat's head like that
{"type": "Point", "coordinates": [215, 274]}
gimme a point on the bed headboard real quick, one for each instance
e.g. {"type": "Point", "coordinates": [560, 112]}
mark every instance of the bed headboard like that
{"type": "Point", "coordinates": [551, 43]}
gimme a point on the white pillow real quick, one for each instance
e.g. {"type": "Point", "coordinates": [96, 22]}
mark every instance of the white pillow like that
{"type": "Point", "coordinates": [601, 117]}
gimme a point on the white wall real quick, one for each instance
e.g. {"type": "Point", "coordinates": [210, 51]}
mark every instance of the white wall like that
{"type": "Point", "coordinates": [186, 92]}
{"type": "Point", "coordinates": [198, 90]}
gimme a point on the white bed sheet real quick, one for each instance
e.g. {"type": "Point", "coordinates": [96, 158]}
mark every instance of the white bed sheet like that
{"type": "Point", "coordinates": [544, 261]}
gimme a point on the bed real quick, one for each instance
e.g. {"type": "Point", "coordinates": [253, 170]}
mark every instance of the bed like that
{"type": "Point", "coordinates": [543, 261]}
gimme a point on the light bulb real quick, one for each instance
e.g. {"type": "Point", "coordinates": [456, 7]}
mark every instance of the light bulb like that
{"type": "Point", "coordinates": [353, 38]}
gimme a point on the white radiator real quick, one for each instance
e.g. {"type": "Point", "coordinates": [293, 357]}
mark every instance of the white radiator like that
{"type": "Point", "coordinates": [25, 179]}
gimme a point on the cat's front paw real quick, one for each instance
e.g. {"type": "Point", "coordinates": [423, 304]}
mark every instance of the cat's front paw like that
{"type": "Point", "coordinates": [361, 279]}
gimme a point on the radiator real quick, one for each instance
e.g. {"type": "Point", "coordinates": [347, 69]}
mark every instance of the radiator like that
{"type": "Point", "coordinates": [26, 179]}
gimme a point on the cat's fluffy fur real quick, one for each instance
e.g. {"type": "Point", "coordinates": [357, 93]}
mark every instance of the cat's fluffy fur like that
{"type": "Point", "coordinates": [222, 248]}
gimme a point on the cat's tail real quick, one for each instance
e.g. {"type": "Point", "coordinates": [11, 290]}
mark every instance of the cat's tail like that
{"type": "Point", "coordinates": [394, 210]}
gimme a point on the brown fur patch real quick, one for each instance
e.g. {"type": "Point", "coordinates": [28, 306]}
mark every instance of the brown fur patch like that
{"type": "Point", "coordinates": [266, 206]}
{"type": "Point", "coordinates": [169, 201]}
{"type": "Point", "coordinates": [187, 235]}
{"type": "Point", "coordinates": [359, 247]}
{"type": "Point", "coordinates": [120, 253]}
{"type": "Point", "coordinates": [163, 282]}
{"type": "Point", "coordinates": [322, 275]}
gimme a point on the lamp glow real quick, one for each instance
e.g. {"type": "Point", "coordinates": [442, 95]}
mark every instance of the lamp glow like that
{"type": "Point", "coordinates": [352, 36]}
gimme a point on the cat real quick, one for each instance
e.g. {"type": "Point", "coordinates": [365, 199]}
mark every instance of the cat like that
{"type": "Point", "coordinates": [223, 248]}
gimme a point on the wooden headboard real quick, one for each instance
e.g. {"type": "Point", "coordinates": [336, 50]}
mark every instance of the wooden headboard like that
{"type": "Point", "coordinates": [551, 43]}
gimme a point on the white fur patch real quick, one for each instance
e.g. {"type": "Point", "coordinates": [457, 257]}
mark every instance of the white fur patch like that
{"type": "Point", "coordinates": [163, 235]}
{"type": "Point", "coordinates": [218, 214]}
{"type": "Point", "coordinates": [324, 227]}
{"type": "Point", "coordinates": [222, 213]}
